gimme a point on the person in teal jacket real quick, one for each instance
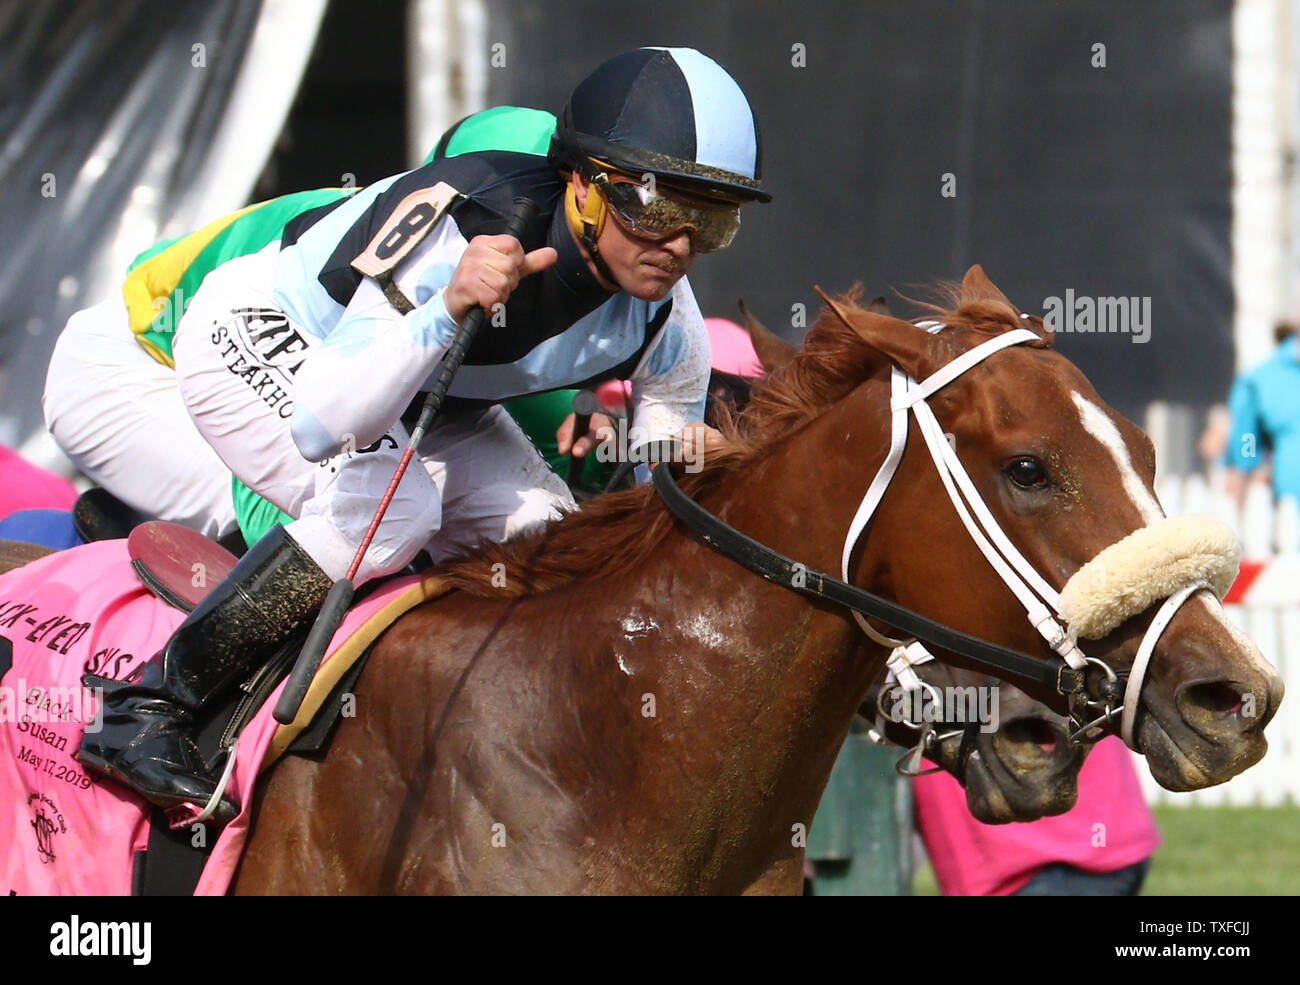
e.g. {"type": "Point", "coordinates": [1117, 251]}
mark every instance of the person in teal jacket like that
{"type": "Point", "coordinates": [1265, 406]}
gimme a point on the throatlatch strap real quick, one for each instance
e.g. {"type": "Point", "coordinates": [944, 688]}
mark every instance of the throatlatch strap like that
{"type": "Point", "coordinates": [884, 476]}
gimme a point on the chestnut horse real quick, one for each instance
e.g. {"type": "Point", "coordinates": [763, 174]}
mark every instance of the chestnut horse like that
{"type": "Point", "coordinates": [1026, 767]}
{"type": "Point", "coordinates": [627, 711]}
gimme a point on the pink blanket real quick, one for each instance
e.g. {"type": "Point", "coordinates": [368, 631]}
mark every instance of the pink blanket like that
{"type": "Point", "coordinates": [66, 832]}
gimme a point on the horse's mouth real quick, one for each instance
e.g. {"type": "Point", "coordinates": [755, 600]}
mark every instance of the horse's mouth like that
{"type": "Point", "coordinates": [1181, 759]}
{"type": "Point", "coordinates": [985, 798]}
{"type": "Point", "coordinates": [1010, 778]}
{"type": "Point", "coordinates": [1035, 744]}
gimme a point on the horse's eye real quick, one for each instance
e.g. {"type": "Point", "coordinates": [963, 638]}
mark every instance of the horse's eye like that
{"type": "Point", "coordinates": [1027, 473]}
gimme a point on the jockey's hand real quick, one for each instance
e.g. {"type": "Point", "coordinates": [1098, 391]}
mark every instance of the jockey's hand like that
{"type": "Point", "coordinates": [489, 270]}
{"type": "Point", "coordinates": [699, 441]}
{"type": "Point", "coordinates": [601, 429]}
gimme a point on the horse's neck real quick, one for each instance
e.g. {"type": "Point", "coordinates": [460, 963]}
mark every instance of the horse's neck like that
{"type": "Point", "coordinates": [772, 674]}
{"type": "Point", "coordinates": [695, 712]}
{"type": "Point", "coordinates": [800, 496]}
{"type": "Point", "coordinates": [799, 499]}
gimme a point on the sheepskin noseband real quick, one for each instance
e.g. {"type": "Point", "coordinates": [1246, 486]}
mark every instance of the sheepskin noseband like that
{"type": "Point", "coordinates": [1146, 566]}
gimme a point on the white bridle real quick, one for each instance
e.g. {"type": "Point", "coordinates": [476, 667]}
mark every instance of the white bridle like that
{"type": "Point", "coordinates": [1181, 556]}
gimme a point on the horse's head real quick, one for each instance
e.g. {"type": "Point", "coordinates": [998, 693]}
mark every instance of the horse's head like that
{"type": "Point", "coordinates": [1069, 482]}
{"type": "Point", "coordinates": [1021, 767]}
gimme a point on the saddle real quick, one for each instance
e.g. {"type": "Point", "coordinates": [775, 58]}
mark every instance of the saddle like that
{"type": "Point", "coordinates": [99, 515]}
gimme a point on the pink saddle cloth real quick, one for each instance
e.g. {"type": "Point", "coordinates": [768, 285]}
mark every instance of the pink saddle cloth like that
{"type": "Point", "coordinates": [79, 611]}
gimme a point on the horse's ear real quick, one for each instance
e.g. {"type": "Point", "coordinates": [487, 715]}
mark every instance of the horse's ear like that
{"type": "Point", "coordinates": [772, 350]}
{"type": "Point", "coordinates": [910, 347]}
{"type": "Point", "coordinates": [879, 305]}
{"type": "Point", "coordinates": [976, 286]}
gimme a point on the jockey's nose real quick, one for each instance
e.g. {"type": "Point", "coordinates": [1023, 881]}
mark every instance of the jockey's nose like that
{"type": "Point", "coordinates": [680, 245]}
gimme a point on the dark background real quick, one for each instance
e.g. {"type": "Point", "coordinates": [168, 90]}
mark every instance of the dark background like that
{"type": "Point", "coordinates": [1108, 181]}
{"type": "Point", "coordinates": [1111, 181]}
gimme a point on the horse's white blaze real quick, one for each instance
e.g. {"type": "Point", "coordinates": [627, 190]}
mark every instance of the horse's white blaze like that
{"type": "Point", "coordinates": [1101, 427]}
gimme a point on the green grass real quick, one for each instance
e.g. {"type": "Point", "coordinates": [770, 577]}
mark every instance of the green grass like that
{"type": "Point", "coordinates": [1226, 851]}
{"type": "Point", "coordinates": [923, 884]}
{"type": "Point", "coordinates": [1212, 851]}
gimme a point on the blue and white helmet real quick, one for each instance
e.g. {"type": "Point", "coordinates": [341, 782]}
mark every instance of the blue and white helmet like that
{"type": "Point", "coordinates": [672, 112]}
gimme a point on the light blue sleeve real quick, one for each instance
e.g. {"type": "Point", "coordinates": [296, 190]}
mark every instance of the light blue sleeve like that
{"type": "Point", "coordinates": [671, 384]}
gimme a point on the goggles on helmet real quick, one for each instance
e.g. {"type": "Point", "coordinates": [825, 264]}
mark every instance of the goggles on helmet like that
{"type": "Point", "coordinates": [645, 210]}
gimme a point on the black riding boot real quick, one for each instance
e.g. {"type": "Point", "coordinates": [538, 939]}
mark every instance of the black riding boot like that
{"type": "Point", "coordinates": [145, 742]}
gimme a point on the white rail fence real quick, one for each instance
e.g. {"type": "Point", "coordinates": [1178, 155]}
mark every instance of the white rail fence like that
{"type": "Point", "coordinates": [1269, 614]}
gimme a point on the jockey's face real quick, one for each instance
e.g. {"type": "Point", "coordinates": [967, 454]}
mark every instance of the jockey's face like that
{"type": "Point", "coordinates": [645, 268]}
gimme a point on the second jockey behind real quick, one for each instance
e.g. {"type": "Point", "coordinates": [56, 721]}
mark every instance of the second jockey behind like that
{"type": "Point", "coordinates": [300, 363]}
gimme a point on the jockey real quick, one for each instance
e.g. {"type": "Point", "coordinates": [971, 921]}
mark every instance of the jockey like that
{"type": "Point", "coordinates": [111, 398]}
{"type": "Point", "coordinates": [299, 363]}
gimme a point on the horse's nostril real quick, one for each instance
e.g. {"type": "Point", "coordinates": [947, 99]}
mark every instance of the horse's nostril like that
{"type": "Point", "coordinates": [1216, 697]}
{"type": "Point", "coordinates": [1033, 730]}
{"type": "Point", "coordinates": [1224, 711]}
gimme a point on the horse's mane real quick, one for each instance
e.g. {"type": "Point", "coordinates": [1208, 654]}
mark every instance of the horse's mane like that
{"type": "Point", "coordinates": [616, 532]}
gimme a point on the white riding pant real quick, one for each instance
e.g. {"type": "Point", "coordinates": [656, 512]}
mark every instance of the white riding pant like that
{"type": "Point", "coordinates": [476, 476]}
{"type": "Point", "coordinates": [117, 414]}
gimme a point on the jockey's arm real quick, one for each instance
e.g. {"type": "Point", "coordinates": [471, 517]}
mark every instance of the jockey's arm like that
{"type": "Point", "coordinates": [671, 383]}
{"type": "Point", "coordinates": [354, 385]}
